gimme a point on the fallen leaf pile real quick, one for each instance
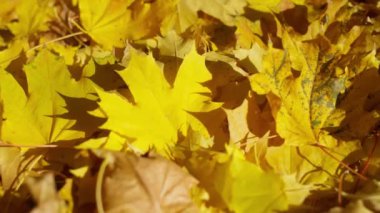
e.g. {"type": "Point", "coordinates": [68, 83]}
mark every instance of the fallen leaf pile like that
{"type": "Point", "coordinates": [189, 106]}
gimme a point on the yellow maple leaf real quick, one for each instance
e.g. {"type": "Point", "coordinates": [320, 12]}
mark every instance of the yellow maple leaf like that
{"type": "Point", "coordinates": [7, 6]}
{"type": "Point", "coordinates": [245, 187]}
{"type": "Point", "coordinates": [33, 16]}
{"type": "Point", "coordinates": [150, 18]}
{"type": "Point", "coordinates": [307, 100]}
{"type": "Point", "coordinates": [111, 22]}
{"type": "Point", "coordinates": [304, 168]}
{"type": "Point", "coordinates": [248, 32]}
{"type": "Point", "coordinates": [105, 20]}
{"type": "Point", "coordinates": [67, 52]}
{"type": "Point", "coordinates": [159, 111]}
{"type": "Point", "coordinates": [32, 118]}
{"type": "Point", "coordinates": [11, 53]}
{"type": "Point", "coordinates": [224, 10]}
{"type": "Point", "coordinates": [265, 6]}
{"type": "Point", "coordinates": [272, 5]}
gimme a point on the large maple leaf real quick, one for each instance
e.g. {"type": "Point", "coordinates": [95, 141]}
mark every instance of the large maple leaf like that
{"type": "Point", "coordinates": [159, 111]}
{"type": "Point", "coordinates": [307, 100]}
{"type": "Point", "coordinates": [33, 118]}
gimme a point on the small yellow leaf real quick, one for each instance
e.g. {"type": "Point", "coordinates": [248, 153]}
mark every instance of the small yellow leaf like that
{"type": "Point", "coordinates": [11, 53]}
{"type": "Point", "coordinates": [299, 167]}
{"type": "Point", "coordinates": [79, 172]}
{"type": "Point", "coordinates": [111, 22]}
{"type": "Point", "coordinates": [67, 52]}
{"type": "Point", "coordinates": [33, 16]}
{"type": "Point", "coordinates": [7, 6]}
{"type": "Point", "coordinates": [245, 187]}
{"type": "Point", "coordinates": [224, 10]}
{"type": "Point", "coordinates": [248, 33]}
{"type": "Point", "coordinates": [105, 21]}
{"type": "Point", "coordinates": [265, 6]}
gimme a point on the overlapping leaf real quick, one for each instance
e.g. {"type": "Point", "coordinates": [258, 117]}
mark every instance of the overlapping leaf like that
{"type": "Point", "coordinates": [37, 110]}
{"type": "Point", "coordinates": [157, 108]}
{"type": "Point", "coordinates": [307, 100]}
{"type": "Point", "coordinates": [33, 16]}
{"type": "Point", "coordinates": [129, 187]}
{"type": "Point", "coordinates": [110, 23]}
{"type": "Point", "coordinates": [234, 179]}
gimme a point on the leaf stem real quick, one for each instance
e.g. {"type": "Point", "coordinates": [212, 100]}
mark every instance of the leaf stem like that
{"type": "Point", "coordinates": [363, 171]}
{"type": "Point", "coordinates": [55, 40]}
{"type": "Point", "coordinates": [340, 188]}
{"type": "Point", "coordinates": [71, 20]}
{"type": "Point", "coordinates": [366, 164]}
{"type": "Point", "coordinates": [323, 148]}
{"type": "Point", "coordinates": [28, 146]}
{"type": "Point", "coordinates": [99, 182]}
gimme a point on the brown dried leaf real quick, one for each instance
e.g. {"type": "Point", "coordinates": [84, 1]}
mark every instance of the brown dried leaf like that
{"type": "Point", "coordinates": [137, 184]}
{"type": "Point", "coordinates": [45, 194]}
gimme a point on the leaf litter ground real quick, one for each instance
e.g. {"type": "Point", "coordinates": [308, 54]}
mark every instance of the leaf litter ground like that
{"type": "Point", "coordinates": [189, 106]}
